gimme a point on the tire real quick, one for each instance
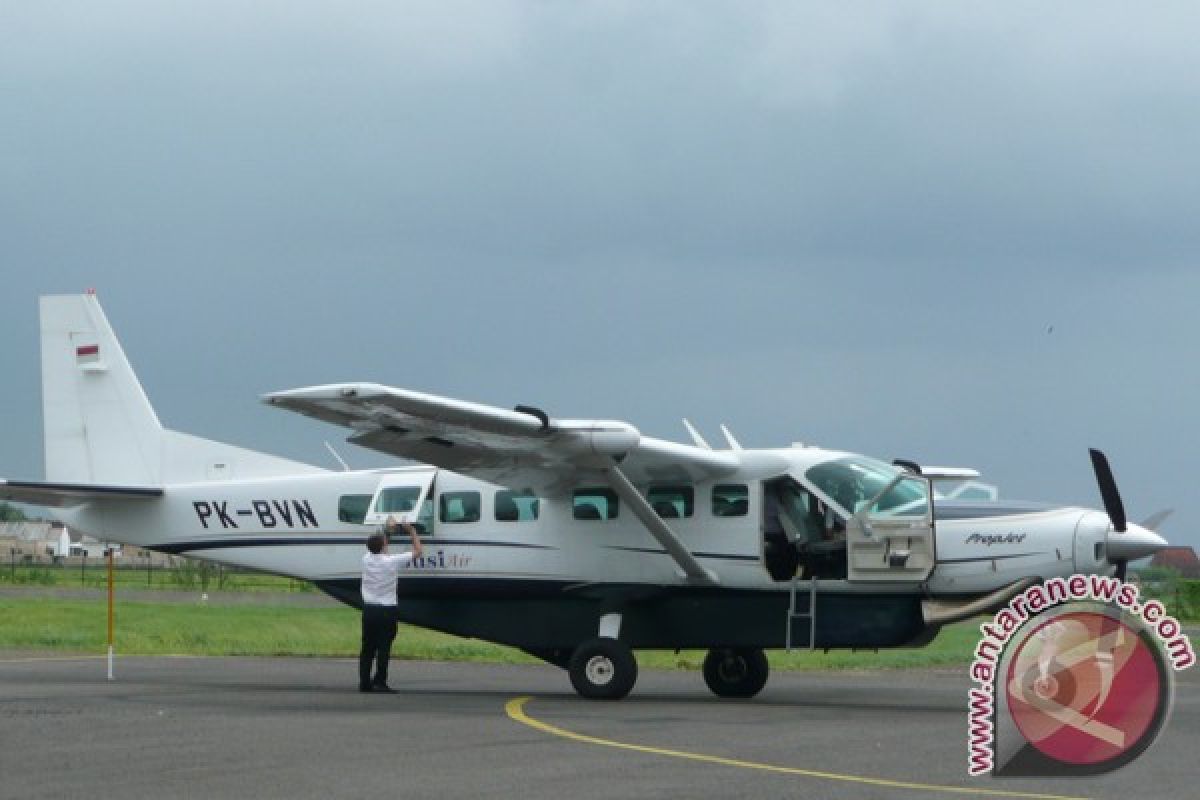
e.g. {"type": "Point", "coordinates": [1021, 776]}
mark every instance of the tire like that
{"type": "Point", "coordinates": [602, 669]}
{"type": "Point", "coordinates": [736, 672]}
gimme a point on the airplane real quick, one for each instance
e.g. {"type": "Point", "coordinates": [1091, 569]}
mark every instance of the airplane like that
{"type": "Point", "coordinates": [577, 541]}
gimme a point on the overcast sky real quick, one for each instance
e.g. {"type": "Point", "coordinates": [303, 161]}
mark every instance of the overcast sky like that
{"type": "Point", "coordinates": [963, 233]}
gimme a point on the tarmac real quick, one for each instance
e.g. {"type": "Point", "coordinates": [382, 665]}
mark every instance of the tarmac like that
{"type": "Point", "coordinates": [297, 728]}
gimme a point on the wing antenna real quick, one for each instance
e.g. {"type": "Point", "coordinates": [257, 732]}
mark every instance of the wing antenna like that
{"type": "Point", "coordinates": [733, 443]}
{"type": "Point", "coordinates": [696, 437]}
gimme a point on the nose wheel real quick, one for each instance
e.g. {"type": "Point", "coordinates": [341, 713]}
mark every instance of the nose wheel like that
{"type": "Point", "coordinates": [602, 669]}
{"type": "Point", "coordinates": [735, 672]}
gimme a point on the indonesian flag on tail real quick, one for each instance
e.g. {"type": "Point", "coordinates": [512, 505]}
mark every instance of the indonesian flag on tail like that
{"type": "Point", "coordinates": [86, 354]}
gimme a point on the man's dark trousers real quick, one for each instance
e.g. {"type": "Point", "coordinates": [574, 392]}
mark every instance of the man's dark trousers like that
{"type": "Point", "coordinates": [378, 632]}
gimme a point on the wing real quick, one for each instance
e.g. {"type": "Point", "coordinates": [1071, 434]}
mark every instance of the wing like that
{"type": "Point", "coordinates": [520, 448]}
{"type": "Point", "coordinates": [72, 494]}
{"type": "Point", "coordinates": [949, 473]}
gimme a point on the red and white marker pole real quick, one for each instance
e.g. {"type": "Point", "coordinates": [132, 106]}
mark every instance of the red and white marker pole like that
{"type": "Point", "coordinates": [109, 555]}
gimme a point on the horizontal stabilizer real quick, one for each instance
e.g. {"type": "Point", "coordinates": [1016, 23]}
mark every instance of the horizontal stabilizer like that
{"type": "Point", "coordinates": [72, 494]}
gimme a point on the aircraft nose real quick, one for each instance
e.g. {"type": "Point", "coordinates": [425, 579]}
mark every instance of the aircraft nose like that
{"type": "Point", "coordinates": [1136, 542]}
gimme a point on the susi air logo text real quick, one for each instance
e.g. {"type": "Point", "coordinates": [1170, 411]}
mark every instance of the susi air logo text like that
{"type": "Point", "coordinates": [440, 560]}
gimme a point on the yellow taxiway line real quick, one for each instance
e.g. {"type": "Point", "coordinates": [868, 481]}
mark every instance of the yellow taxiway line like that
{"type": "Point", "coordinates": [515, 709]}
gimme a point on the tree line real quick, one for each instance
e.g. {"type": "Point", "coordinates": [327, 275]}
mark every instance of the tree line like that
{"type": "Point", "coordinates": [10, 513]}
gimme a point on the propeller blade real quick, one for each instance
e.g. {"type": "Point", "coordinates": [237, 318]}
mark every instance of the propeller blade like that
{"type": "Point", "coordinates": [1108, 490]}
{"type": "Point", "coordinates": [1155, 521]}
{"type": "Point", "coordinates": [1121, 566]}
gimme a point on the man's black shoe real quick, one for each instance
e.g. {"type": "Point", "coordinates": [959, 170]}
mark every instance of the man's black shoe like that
{"type": "Point", "coordinates": [383, 687]}
{"type": "Point", "coordinates": [365, 689]}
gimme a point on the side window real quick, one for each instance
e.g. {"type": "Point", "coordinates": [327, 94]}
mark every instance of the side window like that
{"type": "Point", "coordinates": [397, 498]}
{"type": "Point", "coordinates": [594, 504]}
{"type": "Point", "coordinates": [730, 500]}
{"type": "Point", "coordinates": [458, 507]}
{"type": "Point", "coordinates": [513, 506]}
{"type": "Point", "coordinates": [353, 508]}
{"type": "Point", "coordinates": [672, 502]}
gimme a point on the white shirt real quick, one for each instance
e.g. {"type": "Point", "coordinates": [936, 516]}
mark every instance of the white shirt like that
{"type": "Point", "coordinates": [379, 572]}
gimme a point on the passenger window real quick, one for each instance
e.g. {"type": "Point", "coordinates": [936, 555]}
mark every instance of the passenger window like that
{"type": "Point", "coordinates": [730, 500]}
{"type": "Point", "coordinates": [396, 499]}
{"type": "Point", "coordinates": [594, 504]}
{"type": "Point", "coordinates": [672, 502]}
{"type": "Point", "coordinates": [513, 506]}
{"type": "Point", "coordinates": [353, 508]}
{"type": "Point", "coordinates": [458, 507]}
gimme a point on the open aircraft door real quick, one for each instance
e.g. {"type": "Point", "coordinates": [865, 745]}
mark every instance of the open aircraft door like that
{"type": "Point", "coordinates": [401, 495]}
{"type": "Point", "coordinates": [891, 537]}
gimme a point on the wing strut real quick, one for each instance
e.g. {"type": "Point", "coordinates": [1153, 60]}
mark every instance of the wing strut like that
{"type": "Point", "coordinates": [659, 529]}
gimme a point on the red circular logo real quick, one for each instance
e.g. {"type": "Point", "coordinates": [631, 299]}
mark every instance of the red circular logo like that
{"type": "Point", "coordinates": [1086, 689]}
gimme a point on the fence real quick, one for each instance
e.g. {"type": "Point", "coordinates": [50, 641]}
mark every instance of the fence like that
{"type": "Point", "coordinates": [175, 572]}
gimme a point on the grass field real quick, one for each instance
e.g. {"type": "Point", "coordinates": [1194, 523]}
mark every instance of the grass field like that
{"type": "Point", "coordinates": [75, 626]}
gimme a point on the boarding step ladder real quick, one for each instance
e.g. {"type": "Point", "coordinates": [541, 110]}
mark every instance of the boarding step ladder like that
{"type": "Point", "coordinates": [810, 614]}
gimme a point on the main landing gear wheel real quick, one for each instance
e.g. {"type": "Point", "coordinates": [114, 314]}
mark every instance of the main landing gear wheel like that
{"type": "Point", "coordinates": [736, 672]}
{"type": "Point", "coordinates": [602, 669]}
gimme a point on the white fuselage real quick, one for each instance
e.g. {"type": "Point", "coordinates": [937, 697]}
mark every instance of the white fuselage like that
{"type": "Point", "coordinates": [291, 526]}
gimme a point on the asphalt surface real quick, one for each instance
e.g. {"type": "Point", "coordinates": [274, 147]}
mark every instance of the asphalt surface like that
{"type": "Point", "coordinates": [297, 728]}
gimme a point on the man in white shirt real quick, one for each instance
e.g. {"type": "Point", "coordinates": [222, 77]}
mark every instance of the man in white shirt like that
{"type": "Point", "coordinates": [379, 573]}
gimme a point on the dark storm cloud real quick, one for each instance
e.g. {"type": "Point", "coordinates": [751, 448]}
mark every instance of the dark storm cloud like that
{"type": "Point", "coordinates": [770, 137]}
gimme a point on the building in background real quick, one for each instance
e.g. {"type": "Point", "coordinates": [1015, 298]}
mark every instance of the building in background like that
{"type": "Point", "coordinates": [42, 542]}
{"type": "Point", "coordinates": [1182, 559]}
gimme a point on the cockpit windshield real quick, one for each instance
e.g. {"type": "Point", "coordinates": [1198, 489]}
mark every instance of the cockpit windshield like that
{"type": "Point", "coordinates": [854, 481]}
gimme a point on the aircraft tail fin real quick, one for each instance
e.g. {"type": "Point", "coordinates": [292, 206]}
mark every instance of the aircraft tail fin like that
{"type": "Point", "coordinates": [99, 425]}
